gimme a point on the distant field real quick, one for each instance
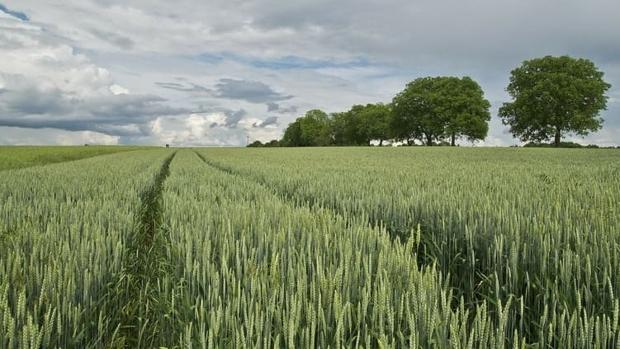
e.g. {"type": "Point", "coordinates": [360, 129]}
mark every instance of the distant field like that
{"type": "Point", "coordinates": [25, 156]}
{"type": "Point", "coordinates": [313, 247]}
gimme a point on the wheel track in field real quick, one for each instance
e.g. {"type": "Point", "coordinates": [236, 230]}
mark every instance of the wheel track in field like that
{"type": "Point", "coordinates": [297, 199]}
{"type": "Point", "coordinates": [133, 301]}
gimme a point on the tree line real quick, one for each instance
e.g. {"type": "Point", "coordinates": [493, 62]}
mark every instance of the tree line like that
{"type": "Point", "coordinates": [551, 98]}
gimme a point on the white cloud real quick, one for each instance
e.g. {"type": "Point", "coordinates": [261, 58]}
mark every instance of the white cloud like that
{"type": "Point", "coordinates": [28, 136]}
{"type": "Point", "coordinates": [118, 90]}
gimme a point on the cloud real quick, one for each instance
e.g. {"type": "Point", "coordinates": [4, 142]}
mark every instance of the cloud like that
{"type": "Point", "coordinates": [256, 55]}
{"type": "Point", "coordinates": [183, 87]}
{"type": "Point", "coordinates": [195, 130]}
{"type": "Point", "coordinates": [28, 136]}
{"type": "Point", "coordinates": [121, 41]}
{"type": "Point", "coordinates": [250, 91]}
{"type": "Point", "coordinates": [25, 103]}
{"type": "Point", "coordinates": [44, 83]}
{"type": "Point", "coordinates": [118, 90]}
{"type": "Point", "coordinates": [233, 118]}
{"type": "Point", "coordinates": [275, 107]}
{"type": "Point", "coordinates": [270, 121]}
{"type": "Point", "coordinates": [19, 15]}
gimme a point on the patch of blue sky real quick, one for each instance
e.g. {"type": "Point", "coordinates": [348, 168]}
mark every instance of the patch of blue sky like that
{"type": "Point", "coordinates": [282, 63]}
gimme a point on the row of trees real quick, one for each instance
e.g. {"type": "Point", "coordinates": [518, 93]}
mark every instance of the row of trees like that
{"type": "Point", "coordinates": [552, 97]}
{"type": "Point", "coordinates": [432, 110]}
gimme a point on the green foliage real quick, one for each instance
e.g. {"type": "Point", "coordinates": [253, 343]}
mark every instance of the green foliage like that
{"type": "Point", "coordinates": [554, 96]}
{"type": "Point", "coordinates": [255, 144]}
{"type": "Point", "coordinates": [272, 143]}
{"type": "Point", "coordinates": [431, 109]}
{"type": "Point", "coordinates": [313, 129]}
{"type": "Point", "coordinates": [258, 144]}
{"type": "Point", "coordinates": [362, 124]}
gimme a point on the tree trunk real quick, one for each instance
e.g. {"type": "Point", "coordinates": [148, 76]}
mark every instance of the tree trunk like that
{"type": "Point", "coordinates": [429, 140]}
{"type": "Point", "coordinates": [558, 137]}
{"type": "Point", "coordinates": [381, 142]}
{"type": "Point", "coordinates": [452, 140]}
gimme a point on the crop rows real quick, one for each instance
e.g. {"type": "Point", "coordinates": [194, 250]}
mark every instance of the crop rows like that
{"type": "Point", "coordinates": [64, 230]}
{"type": "Point", "coordinates": [341, 247]}
{"type": "Point", "coordinates": [260, 272]}
{"type": "Point", "coordinates": [537, 228]}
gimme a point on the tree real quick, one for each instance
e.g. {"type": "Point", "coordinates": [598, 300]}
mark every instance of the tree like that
{"type": "Point", "coordinates": [554, 96]}
{"type": "Point", "coordinates": [272, 143]}
{"type": "Point", "coordinates": [315, 128]}
{"type": "Point", "coordinates": [312, 129]}
{"type": "Point", "coordinates": [433, 108]}
{"type": "Point", "coordinates": [374, 123]}
{"type": "Point", "coordinates": [255, 144]}
{"type": "Point", "coordinates": [414, 114]}
{"type": "Point", "coordinates": [465, 109]}
{"type": "Point", "coordinates": [344, 128]}
{"type": "Point", "coordinates": [292, 135]}
{"type": "Point", "coordinates": [361, 124]}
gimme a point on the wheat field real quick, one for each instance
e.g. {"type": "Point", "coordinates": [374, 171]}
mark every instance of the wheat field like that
{"type": "Point", "coordinates": [363, 247]}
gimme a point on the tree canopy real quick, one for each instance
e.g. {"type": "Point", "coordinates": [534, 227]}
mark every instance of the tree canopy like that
{"type": "Point", "coordinates": [313, 129]}
{"type": "Point", "coordinates": [432, 109]}
{"type": "Point", "coordinates": [554, 96]}
{"type": "Point", "coordinates": [362, 124]}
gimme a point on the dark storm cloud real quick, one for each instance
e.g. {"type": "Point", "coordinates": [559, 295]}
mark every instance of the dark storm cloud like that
{"type": "Point", "coordinates": [250, 91]}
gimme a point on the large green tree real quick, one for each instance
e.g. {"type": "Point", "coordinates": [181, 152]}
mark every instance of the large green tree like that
{"type": "Point", "coordinates": [415, 115]}
{"type": "Point", "coordinates": [465, 109]}
{"type": "Point", "coordinates": [432, 109]}
{"type": "Point", "coordinates": [553, 97]}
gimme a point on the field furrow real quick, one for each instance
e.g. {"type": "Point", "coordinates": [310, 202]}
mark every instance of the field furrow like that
{"type": "Point", "coordinates": [134, 300]}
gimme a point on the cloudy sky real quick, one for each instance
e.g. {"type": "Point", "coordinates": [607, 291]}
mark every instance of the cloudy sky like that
{"type": "Point", "coordinates": [219, 72]}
